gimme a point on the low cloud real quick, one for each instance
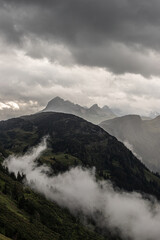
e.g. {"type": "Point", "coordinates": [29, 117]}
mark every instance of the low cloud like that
{"type": "Point", "coordinates": [78, 190]}
{"type": "Point", "coordinates": [26, 163]}
{"type": "Point", "coordinates": [131, 148]}
{"type": "Point", "coordinates": [9, 105]}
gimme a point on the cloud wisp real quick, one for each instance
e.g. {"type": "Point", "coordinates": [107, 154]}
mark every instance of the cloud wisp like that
{"type": "Point", "coordinates": [77, 189]}
{"type": "Point", "coordinates": [26, 163]}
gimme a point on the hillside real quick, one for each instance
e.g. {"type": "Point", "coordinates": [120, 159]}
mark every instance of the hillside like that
{"type": "Point", "coordinates": [73, 141]}
{"type": "Point", "coordinates": [94, 114]}
{"type": "Point", "coordinates": [142, 136]}
{"type": "Point", "coordinates": [25, 215]}
{"type": "Point", "coordinates": [77, 138]}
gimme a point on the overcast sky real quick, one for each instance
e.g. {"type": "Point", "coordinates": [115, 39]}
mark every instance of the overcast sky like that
{"type": "Point", "coordinates": [86, 51]}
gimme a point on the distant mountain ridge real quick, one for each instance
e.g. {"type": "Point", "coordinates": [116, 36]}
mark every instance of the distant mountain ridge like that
{"type": "Point", "coordinates": [141, 136]}
{"type": "Point", "coordinates": [94, 114]}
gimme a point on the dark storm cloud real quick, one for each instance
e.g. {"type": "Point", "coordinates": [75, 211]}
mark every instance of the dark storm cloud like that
{"type": "Point", "coordinates": [90, 29]}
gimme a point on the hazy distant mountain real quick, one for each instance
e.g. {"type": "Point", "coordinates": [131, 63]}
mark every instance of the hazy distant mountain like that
{"type": "Point", "coordinates": [141, 136]}
{"type": "Point", "coordinates": [154, 114]}
{"type": "Point", "coordinates": [146, 118]}
{"type": "Point", "coordinates": [93, 114]}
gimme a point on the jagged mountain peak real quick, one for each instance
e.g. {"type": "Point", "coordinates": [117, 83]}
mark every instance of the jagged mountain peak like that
{"type": "Point", "coordinates": [57, 100]}
{"type": "Point", "coordinates": [94, 106]}
{"type": "Point", "coordinates": [94, 114]}
{"type": "Point", "coordinates": [105, 107]}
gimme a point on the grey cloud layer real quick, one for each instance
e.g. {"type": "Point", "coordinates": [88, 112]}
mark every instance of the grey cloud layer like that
{"type": "Point", "coordinates": [90, 30]}
{"type": "Point", "coordinates": [31, 83]}
{"type": "Point", "coordinates": [81, 51]}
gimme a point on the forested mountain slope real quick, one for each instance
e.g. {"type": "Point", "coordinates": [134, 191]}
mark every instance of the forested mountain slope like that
{"type": "Point", "coordinates": [72, 142]}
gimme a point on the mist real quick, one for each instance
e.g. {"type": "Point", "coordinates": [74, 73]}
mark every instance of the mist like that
{"type": "Point", "coordinates": [131, 148]}
{"type": "Point", "coordinates": [142, 137]}
{"type": "Point", "coordinates": [79, 191]}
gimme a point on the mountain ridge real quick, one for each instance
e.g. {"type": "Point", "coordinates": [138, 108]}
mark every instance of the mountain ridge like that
{"type": "Point", "coordinates": [93, 114]}
{"type": "Point", "coordinates": [142, 135]}
{"type": "Point", "coordinates": [75, 136]}
{"type": "Point", "coordinates": [72, 142]}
